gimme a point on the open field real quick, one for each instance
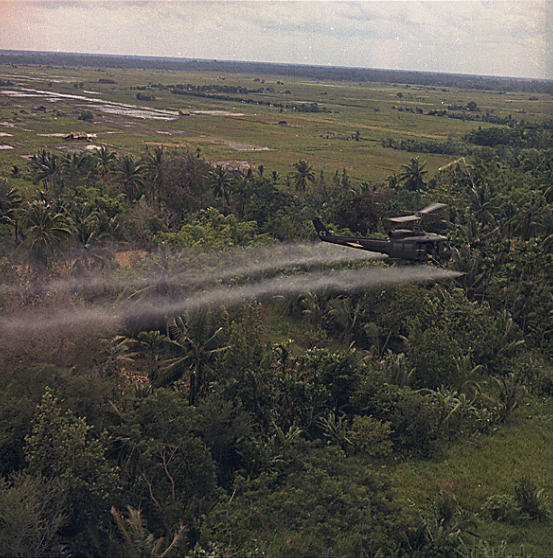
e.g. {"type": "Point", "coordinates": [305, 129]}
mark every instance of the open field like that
{"type": "Point", "coordinates": [256, 120]}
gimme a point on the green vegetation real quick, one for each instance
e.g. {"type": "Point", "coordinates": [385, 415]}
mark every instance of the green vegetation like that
{"type": "Point", "coordinates": [145, 412]}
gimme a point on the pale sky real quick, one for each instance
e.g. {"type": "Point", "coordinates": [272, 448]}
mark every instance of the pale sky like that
{"type": "Point", "coordinates": [493, 37]}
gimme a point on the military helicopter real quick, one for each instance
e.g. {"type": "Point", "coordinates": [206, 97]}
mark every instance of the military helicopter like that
{"type": "Point", "coordinates": [404, 244]}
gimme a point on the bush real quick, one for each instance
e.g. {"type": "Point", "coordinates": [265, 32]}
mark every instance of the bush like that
{"type": "Point", "coordinates": [32, 512]}
{"type": "Point", "coordinates": [413, 421]}
{"type": "Point", "coordinates": [502, 507]}
{"type": "Point", "coordinates": [87, 116]}
{"type": "Point", "coordinates": [330, 505]}
{"type": "Point", "coordinates": [527, 503]}
{"type": "Point", "coordinates": [371, 437]}
{"type": "Point", "coordinates": [532, 502]}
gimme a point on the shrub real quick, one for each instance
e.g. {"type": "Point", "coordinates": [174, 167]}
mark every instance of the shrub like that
{"type": "Point", "coordinates": [502, 507]}
{"type": "Point", "coordinates": [371, 437]}
{"type": "Point", "coordinates": [413, 421]}
{"type": "Point", "coordinates": [532, 502]}
{"type": "Point", "coordinates": [86, 115]}
{"type": "Point", "coordinates": [529, 502]}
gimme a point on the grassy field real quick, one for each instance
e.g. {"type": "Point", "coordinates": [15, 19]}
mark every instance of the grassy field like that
{"type": "Point", "coordinates": [40, 104]}
{"type": "Point", "coordinates": [476, 469]}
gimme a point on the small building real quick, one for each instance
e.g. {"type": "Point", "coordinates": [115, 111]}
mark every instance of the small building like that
{"type": "Point", "coordinates": [77, 136]}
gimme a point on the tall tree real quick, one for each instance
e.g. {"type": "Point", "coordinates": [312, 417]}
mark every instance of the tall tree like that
{"type": "Point", "coordinates": [74, 166]}
{"type": "Point", "coordinates": [10, 202]}
{"type": "Point", "coordinates": [220, 181]}
{"type": "Point", "coordinates": [194, 337]}
{"type": "Point", "coordinates": [412, 175]}
{"type": "Point", "coordinates": [32, 511]}
{"type": "Point", "coordinates": [302, 176]}
{"type": "Point", "coordinates": [44, 232]}
{"type": "Point", "coordinates": [105, 160]}
{"type": "Point", "coordinates": [154, 162]}
{"type": "Point", "coordinates": [128, 173]}
{"type": "Point", "coordinates": [46, 168]}
{"type": "Point", "coordinates": [85, 228]}
{"type": "Point", "coordinates": [167, 470]}
{"type": "Point", "coordinates": [61, 446]}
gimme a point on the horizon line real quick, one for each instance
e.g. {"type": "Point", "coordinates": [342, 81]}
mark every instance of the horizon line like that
{"type": "Point", "coordinates": [272, 64]}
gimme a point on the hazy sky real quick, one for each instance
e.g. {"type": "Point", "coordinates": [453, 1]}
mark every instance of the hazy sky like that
{"type": "Point", "coordinates": [499, 38]}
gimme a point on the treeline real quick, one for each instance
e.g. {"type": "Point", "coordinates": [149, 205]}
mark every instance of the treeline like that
{"type": "Point", "coordinates": [518, 136]}
{"type": "Point", "coordinates": [219, 92]}
{"type": "Point", "coordinates": [443, 147]}
{"type": "Point", "coordinates": [221, 97]}
{"type": "Point", "coordinates": [462, 114]}
{"type": "Point", "coordinates": [434, 80]}
{"type": "Point", "coordinates": [217, 88]}
{"type": "Point", "coordinates": [195, 432]}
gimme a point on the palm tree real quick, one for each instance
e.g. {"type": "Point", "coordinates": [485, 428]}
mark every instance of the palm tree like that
{"type": "Point", "coordinates": [302, 176]}
{"type": "Point", "coordinates": [150, 343]}
{"type": "Point", "coordinates": [128, 173]}
{"type": "Point", "coordinates": [72, 166]}
{"type": "Point", "coordinates": [546, 228]}
{"type": "Point", "coordinates": [346, 315]}
{"type": "Point", "coordinates": [482, 204]}
{"type": "Point", "coordinates": [115, 357]}
{"type": "Point", "coordinates": [105, 160]}
{"type": "Point", "coordinates": [154, 163]}
{"type": "Point", "coordinates": [88, 236]}
{"type": "Point", "coordinates": [44, 232]}
{"type": "Point", "coordinates": [220, 183]}
{"type": "Point", "coordinates": [46, 168]}
{"type": "Point", "coordinates": [529, 219]}
{"type": "Point", "coordinates": [10, 202]}
{"type": "Point", "coordinates": [312, 309]}
{"type": "Point", "coordinates": [412, 175]}
{"type": "Point", "coordinates": [198, 343]}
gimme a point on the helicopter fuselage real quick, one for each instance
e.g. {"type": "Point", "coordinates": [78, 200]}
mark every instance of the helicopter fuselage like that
{"type": "Point", "coordinates": [415, 245]}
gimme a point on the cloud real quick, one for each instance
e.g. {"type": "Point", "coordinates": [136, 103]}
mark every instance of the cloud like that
{"type": "Point", "coordinates": [491, 37]}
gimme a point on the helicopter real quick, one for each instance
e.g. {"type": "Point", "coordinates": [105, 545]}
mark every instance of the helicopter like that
{"type": "Point", "coordinates": [404, 244]}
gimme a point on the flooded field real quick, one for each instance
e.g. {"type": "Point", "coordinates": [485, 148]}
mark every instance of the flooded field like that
{"type": "Point", "coordinates": [219, 113]}
{"type": "Point", "coordinates": [130, 111]}
{"type": "Point", "coordinates": [242, 146]}
{"type": "Point", "coordinates": [93, 103]}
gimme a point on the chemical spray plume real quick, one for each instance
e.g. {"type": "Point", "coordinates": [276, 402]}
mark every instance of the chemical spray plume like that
{"type": "Point", "coordinates": [331, 281]}
{"type": "Point", "coordinates": [313, 281]}
{"type": "Point", "coordinates": [203, 267]}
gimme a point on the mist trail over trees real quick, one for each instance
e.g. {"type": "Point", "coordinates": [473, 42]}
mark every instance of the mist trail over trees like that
{"type": "Point", "coordinates": [213, 279]}
{"type": "Point", "coordinates": [206, 265]}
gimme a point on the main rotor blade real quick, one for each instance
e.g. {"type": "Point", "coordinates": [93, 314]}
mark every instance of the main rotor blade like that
{"type": "Point", "coordinates": [417, 216]}
{"type": "Point", "coordinates": [432, 207]}
{"type": "Point", "coordinates": [405, 218]}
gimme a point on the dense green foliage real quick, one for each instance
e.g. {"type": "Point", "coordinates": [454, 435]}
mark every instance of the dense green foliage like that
{"type": "Point", "coordinates": [271, 427]}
